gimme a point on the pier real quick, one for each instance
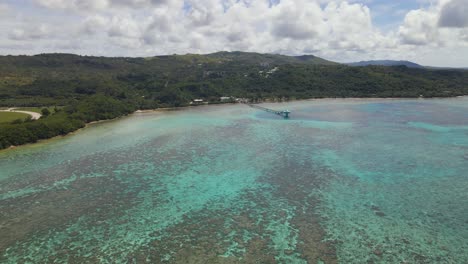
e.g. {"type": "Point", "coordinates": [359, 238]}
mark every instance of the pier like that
{"type": "Point", "coordinates": [284, 113]}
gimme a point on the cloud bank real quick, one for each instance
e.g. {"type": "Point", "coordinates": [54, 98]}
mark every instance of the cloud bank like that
{"type": "Point", "coordinates": [435, 34]}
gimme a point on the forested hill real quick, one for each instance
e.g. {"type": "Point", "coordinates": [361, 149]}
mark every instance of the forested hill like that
{"type": "Point", "coordinates": [408, 64]}
{"type": "Point", "coordinates": [50, 79]}
{"type": "Point", "coordinates": [96, 88]}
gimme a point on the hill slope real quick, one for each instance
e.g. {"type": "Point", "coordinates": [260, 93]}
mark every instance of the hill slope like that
{"type": "Point", "coordinates": [269, 59]}
{"type": "Point", "coordinates": [58, 79]}
{"type": "Point", "coordinates": [408, 64]}
{"type": "Point", "coordinates": [97, 88]}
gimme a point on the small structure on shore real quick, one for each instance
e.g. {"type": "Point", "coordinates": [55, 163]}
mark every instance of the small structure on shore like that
{"type": "Point", "coordinates": [242, 100]}
{"type": "Point", "coordinates": [225, 98]}
{"type": "Point", "coordinates": [197, 101]}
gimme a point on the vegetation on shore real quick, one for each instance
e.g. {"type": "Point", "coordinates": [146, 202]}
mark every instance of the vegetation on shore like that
{"type": "Point", "coordinates": [64, 121]}
{"type": "Point", "coordinates": [98, 88]}
{"type": "Point", "coordinates": [8, 117]}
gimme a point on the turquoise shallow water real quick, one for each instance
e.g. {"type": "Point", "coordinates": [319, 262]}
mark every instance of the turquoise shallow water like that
{"type": "Point", "coordinates": [342, 181]}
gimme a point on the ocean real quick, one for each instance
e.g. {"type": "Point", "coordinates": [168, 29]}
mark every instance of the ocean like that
{"type": "Point", "coordinates": [340, 181]}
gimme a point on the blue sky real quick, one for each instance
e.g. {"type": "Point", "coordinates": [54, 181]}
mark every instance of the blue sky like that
{"type": "Point", "coordinates": [429, 32]}
{"type": "Point", "coordinates": [387, 14]}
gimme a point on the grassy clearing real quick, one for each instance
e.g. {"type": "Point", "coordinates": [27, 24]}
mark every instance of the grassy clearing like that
{"type": "Point", "coordinates": [7, 117]}
{"type": "Point", "coordinates": [36, 109]}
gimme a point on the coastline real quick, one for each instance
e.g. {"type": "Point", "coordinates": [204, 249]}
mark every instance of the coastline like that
{"type": "Point", "coordinates": [40, 141]}
{"type": "Point", "coordinates": [180, 108]}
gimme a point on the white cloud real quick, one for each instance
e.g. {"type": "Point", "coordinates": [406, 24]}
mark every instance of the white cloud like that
{"type": "Point", "coordinates": [30, 33]}
{"type": "Point", "coordinates": [432, 26]}
{"type": "Point", "coordinates": [337, 30]}
{"type": "Point", "coordinates": [297, 21]}
{"type": "Point", "coordinates": [454, 14]}
{"type": "Point", "coordinates": [94, 24]}
{"type": "Point", "coordinates": [419, 28]}
{"type": "Point", "coordinates": [124, 26]}
{"type": "Point", "coordinates": [3, 8]}
{"type": "Point", "coordinates": [426, 36]}
{"type": "Point", "coordinates": [99, 4]}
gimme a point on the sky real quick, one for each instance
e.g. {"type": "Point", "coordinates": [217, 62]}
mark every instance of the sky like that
{"type": "Point", "coordinates": [428, 32]}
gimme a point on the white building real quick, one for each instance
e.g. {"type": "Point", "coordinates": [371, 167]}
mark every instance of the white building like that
{"type": "Point", "coordinates": [197, 101]}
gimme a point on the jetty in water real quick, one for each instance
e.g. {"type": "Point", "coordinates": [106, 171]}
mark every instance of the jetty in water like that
{"type": "Point", "coordinates": [284, 113]}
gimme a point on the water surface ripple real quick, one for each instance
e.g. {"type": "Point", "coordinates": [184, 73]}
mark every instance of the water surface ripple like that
{"type": "Point", "coordinates": [342, 181]}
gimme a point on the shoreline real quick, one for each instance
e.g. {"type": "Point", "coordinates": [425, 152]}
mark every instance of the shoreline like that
{"type": "Point", "coordinates": [62, 136]}
{"type": "Point", "coordinates": [364, 98]}
{"type": "Point", "coordinates": [179, 108]}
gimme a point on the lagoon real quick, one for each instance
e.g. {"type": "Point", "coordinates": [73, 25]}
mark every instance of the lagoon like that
{"type": "Point", "coordinates": [341, 181]}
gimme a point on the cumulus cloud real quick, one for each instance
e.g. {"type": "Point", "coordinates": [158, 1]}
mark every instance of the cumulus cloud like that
{"type": "Point", "coordinates": [419, 28]}
{"type": "Point", "coordinates": [73, 4]}
{"type": "Point", "coordinates": [30, 33]}
{"type": "Point", "coordinates": [454, 14]}
{"type": "Point", "coordinates": [94, 24]}
{"type": "Point", "coordinates": [99, 4]}
{"type": "Point", "coordinates": [439, 25]}
{"type": "Point", "coordinates": [297, 21]}
{"type": "Point", "coordinates": [124, 26]}
{"type": "Point", "coordinates": [358, 35]}
{"type": "Point", "coordinates": [335, 29]}
{"type": "Point", "coordinates": [289, 26]}
{"type": "Point", "coordinates": [4, 8]}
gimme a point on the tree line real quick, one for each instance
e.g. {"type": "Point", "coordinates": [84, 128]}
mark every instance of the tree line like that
{"type": "Point", "coordinates": [99, 88]}
{"type": "Point", "coordinates": [63, 121]}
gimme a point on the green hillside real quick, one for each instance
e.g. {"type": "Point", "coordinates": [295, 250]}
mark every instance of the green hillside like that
{"type": "Point", "coordinates": [268, 59]}
{"type": "Point", "coordinates": [59, 79]}
{"type": "Point", "coordinates": [96, 88]}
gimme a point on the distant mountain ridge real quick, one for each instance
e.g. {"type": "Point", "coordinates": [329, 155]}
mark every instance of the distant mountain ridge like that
{"type": "Point", "coordinates": [408, 64]}
{"type": "Point", "coordinates": [250, 58]}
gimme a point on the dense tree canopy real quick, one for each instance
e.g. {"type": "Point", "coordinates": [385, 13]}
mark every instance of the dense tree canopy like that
{"type": "Point", "coordinates": [97, 88]}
